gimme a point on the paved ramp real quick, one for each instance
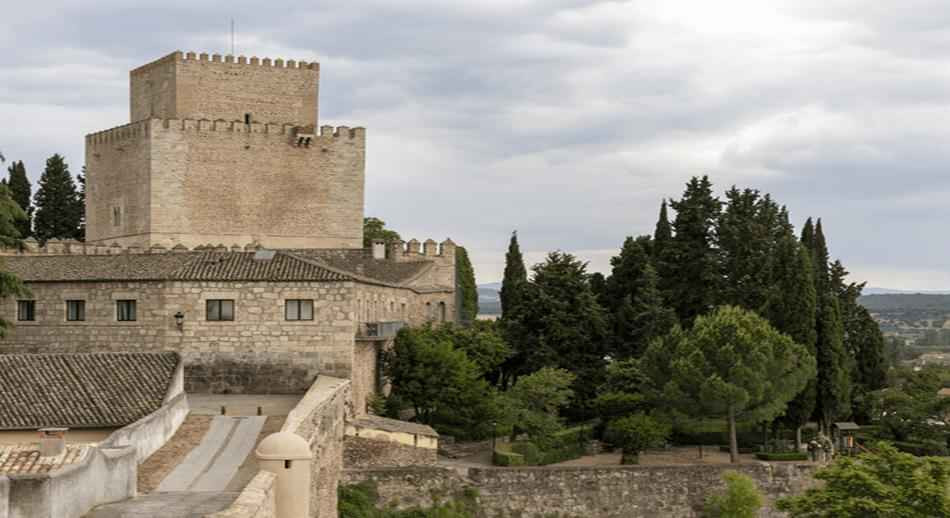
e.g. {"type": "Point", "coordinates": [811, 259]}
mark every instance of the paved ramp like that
{"type": "Point", "coordinates": [215, 461]}
{"type": "Point", "coordinates": [166, 505]}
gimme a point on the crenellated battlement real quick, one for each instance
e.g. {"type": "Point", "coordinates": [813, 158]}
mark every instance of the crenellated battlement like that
{"type": "Point", "coordinates": [30, 247]}
{"type": "Point", "coordinates": [413, 250]}
{"type": "Point", "coordinates": [228, 59]}
{"type": "Point", "coordinates": [144, 128]}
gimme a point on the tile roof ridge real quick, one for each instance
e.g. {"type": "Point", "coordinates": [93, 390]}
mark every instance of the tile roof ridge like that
{"type": "Point", "coordinates": [318, 263]}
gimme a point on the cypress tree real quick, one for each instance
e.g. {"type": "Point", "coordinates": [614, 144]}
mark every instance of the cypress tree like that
{"type": "Point", "coordinates": [746, 233]}
{"type": "Point", "coordinates": [626, 276]}
{"type": "Point", "coordinates": [58, 208]}
{"type": "Point", "coordinates": [651, 318]}
{"type": "Point", "coordinates": [515, 278]}
{"type": "Point", "coordinates": [467, 289]}
{"type": "Point", "coordinates": [792, 311]}
{"type": "Point", "coordinates": [663, 233]}
{"type": "Point", "coordinates": [21, 191]}
{"type": "Point", "coordinates": [81, 180]}
{"type": "Point", "coordinates": [693, 278]}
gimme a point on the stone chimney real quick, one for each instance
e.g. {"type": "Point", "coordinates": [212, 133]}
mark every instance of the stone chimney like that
{"type": "Point", "coordinates": [379, 249]}
{"type": "Point", "coordinates": [52, 441]}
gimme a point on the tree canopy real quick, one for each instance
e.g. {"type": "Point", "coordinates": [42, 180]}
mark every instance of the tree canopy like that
{"type": "Point", "coordinates": [59, 209]}
{"type": "Point", "coordinates": [375, 229]}
{"type": "Point", "coordinates": [731, 364]}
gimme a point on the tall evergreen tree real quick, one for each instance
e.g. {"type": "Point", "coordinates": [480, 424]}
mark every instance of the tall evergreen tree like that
{"type": "Point", "coordinates": [563, 326]}
{"type": "Point", "coordinates": [58, 208]}
{"type": "Point", "coordinates": [693, 280]}
{"type": "Point", "coordinates": [792, 311]}
{"type": "Point", "coordinates": [21, 191]}
{"type": "Point", "coordinates": [626, 276]}
{"type": "Point", "coordinates": [833, 389]}
{"type": "Point", "coordinates": [515, 277]}
{"type": "Point", "coordinates": [81, 180]}
{"type": "Point", "coordinates": [650, 317]}
{"type": "Point", "coordinates": [663, 233]}
{"type": "Point", "coordinates": [748, 233]}
{"type": "Point", "coordinates": [11, 215]}
{"type": "Point", "coordinates": [467, 289]}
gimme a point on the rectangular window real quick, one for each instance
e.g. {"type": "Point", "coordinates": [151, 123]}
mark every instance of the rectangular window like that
{"type": "Point", "coordinates": [299, 309]}
{"type": "Point", "coordinates": [116, 216]}
{"type": "Point", "coordinates": [125, 310]}
{"type": "Point", "coordinates": [75, 310]}
{"type": "Point", "coordinates": [220, 310]}
{"type": "Point", "coordinates": [26, 310]}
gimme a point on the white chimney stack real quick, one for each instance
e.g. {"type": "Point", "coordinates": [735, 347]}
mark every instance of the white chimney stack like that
{"type": "Point", "coordinates": [52, 441]}
{"type": "Point", "coordinates": [379, 249]}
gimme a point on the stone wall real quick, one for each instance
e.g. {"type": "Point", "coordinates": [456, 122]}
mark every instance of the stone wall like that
{"type": "Point", "coordinates": [199, 86]}
{"type": "Point", "coordinates": [582, 492]}
{"type": "Point", "coordinates": [366, 452]}
{"type": "Point", "coordinates": [195, 182]}
{"type": "Point", "coordinates": [258, 352]}
{"type": "Point", "coordinates": [151, 432]}
{"type": "Point", "coordinates": [365, 372]}
{"type": "Point", "coordinates": [320, 418]}
{"type": "Point", "coordinates": [257, 499]}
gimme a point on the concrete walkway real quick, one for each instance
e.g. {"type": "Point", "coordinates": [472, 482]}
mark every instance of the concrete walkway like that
{"type": "Point", "coordinates": [166, 505]}
{"type": "Point", "coordinates": [215, 461]}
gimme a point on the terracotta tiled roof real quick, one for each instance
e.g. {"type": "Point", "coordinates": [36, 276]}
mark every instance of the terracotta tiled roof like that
{"type": "Point", "coordinates": [206, 266]}
{"type": "Point", "coordinates": [84, 390]}
{"type": "Point", "coordinates": [25, 459]}
{"type": "Point", "coordinates": [360, 262]}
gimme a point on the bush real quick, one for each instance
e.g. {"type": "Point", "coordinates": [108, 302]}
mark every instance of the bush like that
{"type": "Point", "coordinates": [740, 499]}
{"type": "Point", "coordinates": [636, 433]}
{"type": "Point", "coordinates": [745, 450]}
{"type": "Point", "coordinates": [359, 501]}
{"type": "Point", "coordinates": [501, 457]}
{"type": "Point", "coordinates": [782, 456]}
{"type": "Point", "coordinates": [528, 450]}
{"type": "Point", "coordinates": [922, 448]}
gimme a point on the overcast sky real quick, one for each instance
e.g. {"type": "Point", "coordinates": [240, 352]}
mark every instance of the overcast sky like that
{"type": "Point", "coordinates": [566, 120]}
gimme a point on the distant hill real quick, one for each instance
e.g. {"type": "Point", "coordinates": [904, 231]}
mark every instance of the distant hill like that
{"type": "Point", "coordinates": [907, 302]}
{"type": "Point", "coordinates": [871, 290]}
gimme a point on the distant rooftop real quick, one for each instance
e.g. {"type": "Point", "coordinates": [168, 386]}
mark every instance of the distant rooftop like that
{"type": "Point", "coordinates": [83, 390]}
{"type": "Point", "coordinates": [25, 459]}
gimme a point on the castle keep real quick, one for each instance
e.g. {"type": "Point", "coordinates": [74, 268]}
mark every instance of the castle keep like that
{"type": "Point", "coordinates": [225, 225]}
{"type": "Point", "coordinates": [225, 151]}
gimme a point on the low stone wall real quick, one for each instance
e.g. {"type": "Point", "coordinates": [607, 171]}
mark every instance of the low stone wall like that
{"type": "Point", "coordinates": [149, 433]}
{"type": "Point", "coordinates": [257, 500]}
{"type": "Point", "coordinates": [320, 418]}
{"type": "Point", "coordinates": [105, 475]}
{"type": "Point", "coordinates": [365, 452]}
{"type": "Point", "coordinates": [588, 492]}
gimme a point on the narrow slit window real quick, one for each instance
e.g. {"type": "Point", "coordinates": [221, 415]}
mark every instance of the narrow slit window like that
{"type": "Point", "coordinates": [75, 310]}
{"type": "Point", "coordinates": [247, 118]}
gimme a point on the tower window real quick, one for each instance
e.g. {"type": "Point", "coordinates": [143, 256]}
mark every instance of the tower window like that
{"type": "Point", "coordinates": [116, 216]}
{"type": "Point", "coordinates": [247, 118]}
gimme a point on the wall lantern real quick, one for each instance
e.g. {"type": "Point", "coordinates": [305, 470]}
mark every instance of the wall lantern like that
{"type": "Point", "coordinates": [180, 320]}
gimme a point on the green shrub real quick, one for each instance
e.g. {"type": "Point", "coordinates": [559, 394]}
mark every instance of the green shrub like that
{"type": "Point", "coordinates": [782, 456]}
{"type": "Point", "coordinates": [740, 499]}
{"type": "Point", "coordinates": [922, 448]}
{"type": "Point", "coordinates": [528, 450]}
{"type": "Point", "coordinates": [635, 433]}
{"type": "Point", "coordinates": [502, 457]}
{"type": "Point", "coordinates": [359, 501]}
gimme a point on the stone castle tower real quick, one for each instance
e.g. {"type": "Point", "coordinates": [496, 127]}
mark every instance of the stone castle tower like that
{"type": "Point", "coordinates": [225, 151]}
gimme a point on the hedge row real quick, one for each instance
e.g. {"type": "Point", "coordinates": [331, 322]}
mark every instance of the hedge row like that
{"type": "Point", "coordinates": [565, 445]}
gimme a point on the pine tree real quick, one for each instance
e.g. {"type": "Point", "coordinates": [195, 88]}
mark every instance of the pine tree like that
{"type": "Point", "coordinates": [58, 207]}
{"type": "Point", "coordinates": [467, 289]}
{"type": "Point", "coordinates": [21, 192]}
{"type": "Point", "coordinates": [694, 277]}
{"type": "Point", "coordinates": [626, 276]}
{"type": "Point", "coordinates": [563, 326]}
{"type": "Point", "coordinates": [651, 318]}
{"type": "Point", "coordinates": [515, 278]}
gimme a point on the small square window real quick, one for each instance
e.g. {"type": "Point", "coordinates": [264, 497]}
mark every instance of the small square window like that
{"type": "Point", "coordinates": [220, 310]}
{"type": "Point", "coordinates": [26, 310]}
{"type": "Point", "coordinates": [299, 309]}
{"type": "Point", "coordinates": [75, 310]}
{"type": "Point", "coordinates": [125, 310]}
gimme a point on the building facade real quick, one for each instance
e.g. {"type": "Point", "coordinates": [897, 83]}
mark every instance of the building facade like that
{"type": "Point", "coordinates": [224, 225]}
